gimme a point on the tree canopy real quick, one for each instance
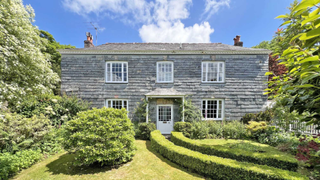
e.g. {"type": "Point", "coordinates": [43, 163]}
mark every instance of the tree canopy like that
{"type": "Point", "coordinates": [24, 69]}
{"type": "Point", "coordinates": [300, 41]}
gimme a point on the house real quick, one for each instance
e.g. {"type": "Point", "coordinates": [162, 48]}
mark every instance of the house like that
{"type": "Point", "coordinates": [224, 81]}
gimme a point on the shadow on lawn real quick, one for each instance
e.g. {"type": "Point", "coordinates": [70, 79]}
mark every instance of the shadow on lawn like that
{"type": "Point", "coordinates": [63, 165]}
{"type": "Point", "coordinates": [174, 165]}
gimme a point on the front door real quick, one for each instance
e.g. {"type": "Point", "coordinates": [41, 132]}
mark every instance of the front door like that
{"type": "Point", "coordinates": [164, 118]}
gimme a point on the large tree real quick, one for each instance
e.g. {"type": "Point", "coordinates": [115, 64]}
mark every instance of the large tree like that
{"type": "Point", "coordinates": [301, 84]}
{"type": "Point", "coordinates": [55, 57]}
{"type": "Point", "coordinates": [24, 69]}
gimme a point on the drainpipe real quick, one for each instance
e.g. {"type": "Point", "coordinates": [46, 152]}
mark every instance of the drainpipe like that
{"type": "Point", "coordinates": [147, 110]}
{"type": "Point", "coordinates": [183, 109]}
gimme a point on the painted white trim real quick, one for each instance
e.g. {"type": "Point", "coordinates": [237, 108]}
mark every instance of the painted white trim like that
{"type": "Point", "coordinates": [218, 65]}
{"type": "Point", "coordinates": [171, 105]}
{"type": "Point", "coordinates": [222, 111]}
{"type": "Point", "coordinates": [122, 76]}
{"type": "Point", "coordinates": [172, 73]}
{"type": "Point", "coordinates": [106, 103]}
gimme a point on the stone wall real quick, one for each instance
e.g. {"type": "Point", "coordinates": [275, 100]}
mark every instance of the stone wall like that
{"type": "Point", "coordinates": [242, 90]}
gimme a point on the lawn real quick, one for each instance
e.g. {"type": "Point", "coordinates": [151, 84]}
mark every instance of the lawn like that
{"type": "Point", "coordinates": [146, 164]}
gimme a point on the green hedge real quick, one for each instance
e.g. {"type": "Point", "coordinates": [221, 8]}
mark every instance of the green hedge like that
{"type": "Point", "coordinates": [266, 158]}
{"type": "Point", "coordinates": [217, 167]}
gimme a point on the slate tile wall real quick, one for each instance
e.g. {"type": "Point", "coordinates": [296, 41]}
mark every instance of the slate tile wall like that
{"type": "Point", "coordinates": [242, 91]}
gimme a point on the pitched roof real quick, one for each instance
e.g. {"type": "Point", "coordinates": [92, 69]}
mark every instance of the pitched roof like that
{"type": "Point", "coordinates": [165, 48]}
{"type": "Point", "coordinates": [165, 92]}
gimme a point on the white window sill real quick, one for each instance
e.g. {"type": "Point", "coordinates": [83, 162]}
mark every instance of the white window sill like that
{"type": "Point", "coordinates": [213, 82]}
{"type": "Point", "coordinates": [115, 82]}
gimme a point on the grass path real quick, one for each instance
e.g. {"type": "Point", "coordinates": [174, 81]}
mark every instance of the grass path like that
{"type": "Point", "coordinates": [146, 164]}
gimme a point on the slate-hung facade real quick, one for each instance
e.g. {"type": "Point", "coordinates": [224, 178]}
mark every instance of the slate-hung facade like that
{"type": "Point", "coordinates": [224, 81]}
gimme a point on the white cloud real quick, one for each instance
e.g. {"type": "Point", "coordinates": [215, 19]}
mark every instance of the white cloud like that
{"type": "Point", "coordinates": [213, 6]}
{"type": "Point", "coordinates": [160, 20]}
{"type": "Point", "coordinates": [165, 31]}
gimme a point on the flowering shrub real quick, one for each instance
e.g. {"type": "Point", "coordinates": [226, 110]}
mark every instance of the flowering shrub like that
{"type": "Point", "coordinates": [58, 109]}
{"type": "Point", "coordinates": [309, 151]}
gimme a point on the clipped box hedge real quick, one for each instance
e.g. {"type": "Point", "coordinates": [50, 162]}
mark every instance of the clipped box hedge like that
{"type": "Point", "coordinates": [271, 157]}
{"type": "Point", "coordinates": [217, 167]}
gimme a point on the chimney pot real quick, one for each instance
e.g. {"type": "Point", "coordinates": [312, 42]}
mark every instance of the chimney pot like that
{"type": "Point", "coordinates": [88, 42]}
{"type": "Point", "coordinates": [237, 41]}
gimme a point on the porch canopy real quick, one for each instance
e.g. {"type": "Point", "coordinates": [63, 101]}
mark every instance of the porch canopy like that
{"type": "Point", "coordinates": [165, 93]}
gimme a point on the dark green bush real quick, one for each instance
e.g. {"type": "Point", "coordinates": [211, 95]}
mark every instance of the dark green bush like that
{"type": "Point", "coordinates": [233, 130]}
{"type": "Point", "coordinates": [271, 158]}
{"type": "Point", "coordinates": [10, 164]}
{"type": "Point", "coordinates": [217, 167]}
{"type": "Point", "coordinates": [104, 136]}
{"type": "Point", "coordinates": [144, 130]}
{"type": "Point", "coordinates": [199, 130]}
{"type": "Point", "coordinates": [58, 109]}
{"type": "Point", "coordinates": [266, 116]}
{"type": "Point", "coordinates": [19, 133]}
{"type": "Point", "coordinates": [184, 127]}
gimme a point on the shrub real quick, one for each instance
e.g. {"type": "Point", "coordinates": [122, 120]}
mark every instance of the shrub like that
{"type": "Point", "coordinates": [215, 129]}
{"type": "Point", "coordinates": [58, 109]}
{"type": "Point", "coordinates": [102, 136]}
{"type": "Point", "coordinates": [18, 133]}
{"type": "Point", "coordinates": [240, 151]}
{"type": "Point", "coordinates": [254, 129]}
{"type": "Point", "coordinates": [233, 130]}
{"type": "Point", "coordinates": [144, 130]}
{"type": "Point", "coordinates": [184, 127]}
{"type": "Point", "coordinates": [217, 167]}
{"type": "Point", "coordinates": [266, 116]}
{"type": "Point", "coordinates": [199, 130]}
{"type": "Point", "coordinates": [191, 112]}
{"type": "Point", "coordinates": [309, 151]}
{"type": "Point", "coordinates": [10, 164]}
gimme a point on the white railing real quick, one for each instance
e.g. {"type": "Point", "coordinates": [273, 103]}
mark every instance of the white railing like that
{"type": "Point", "coordinates": [301, 127]}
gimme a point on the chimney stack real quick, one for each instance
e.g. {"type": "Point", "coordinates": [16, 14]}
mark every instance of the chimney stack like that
{"type": "Point", "coordinates": [237, 41]}
{"type": "Point", "coordinates": [88, 43]}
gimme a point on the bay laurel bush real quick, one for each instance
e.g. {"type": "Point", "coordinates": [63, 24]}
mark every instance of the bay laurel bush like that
{"type": "Point", "coordinates": [254, 129]}
{"type": "Point", "coordinates": [233, 130]}
{"type": "Point", "coordinates": [144, 130]}
{"type": "Point", "coordinates": [266, 116]}
{"type": "Point", "coordinates": [199, 130]}
{"type": "Point", "coordinates": [10, 163]}
{"type": "Point", "coordinates": [58, 109]}
{"type": "Point", "coordinates": [103, 136]}
{"type": "Point", "coordinates": [18, 132]}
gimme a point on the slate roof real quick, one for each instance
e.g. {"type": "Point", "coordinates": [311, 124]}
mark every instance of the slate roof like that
{"type": "Point", "coordinates": [165, 48]}
{"type": "Point", "coordinates": [165, 92]}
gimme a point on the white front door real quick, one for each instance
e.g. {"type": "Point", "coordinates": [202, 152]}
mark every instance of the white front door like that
{"type": "Point", "coordinates": [164, 118]}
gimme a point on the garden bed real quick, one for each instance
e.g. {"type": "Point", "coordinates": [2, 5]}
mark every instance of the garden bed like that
{"type": "Point", "coordinates": [240, 150]}
{"type": "Point", "coordinates": [217, 167]}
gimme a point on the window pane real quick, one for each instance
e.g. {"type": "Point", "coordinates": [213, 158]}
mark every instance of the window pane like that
{"type": "Point", "coordinates": [124, 71]}
{"type": "Point", "coordinates": [212, 71]}
{"type": "Point", "coordinates": [221, 71]}
{"type": "Point", "coordinates": [164, 72]}
{"type": "Point", "coordinates": [116, 71]}
{"type": "Point", "coordinates": [109, 103]}
{"type": "Point", "coordinates": [220, 109]}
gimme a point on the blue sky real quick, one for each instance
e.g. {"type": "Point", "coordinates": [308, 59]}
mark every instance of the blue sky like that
{"type": "Point", "coordinates": [160, 20]}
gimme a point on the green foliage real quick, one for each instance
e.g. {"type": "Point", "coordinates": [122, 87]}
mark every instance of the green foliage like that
{"type": "Point", "coordinates": [233, 130]}
{"type": "Point", "coordinates": [266, 115]}
{"type": "Point", "coordinates": [58, 109]}
{"type": "Point", "coordinates": [240, 151]}
{"type": "Point", "coordinates": [104, 136]}
{"type": "Point", "coordinates": [24, 69]}
{"type": "Point", "coordinates": [184, 127]}
{"type": "Point", "coordinates": [217, 167]}
{"type": "Point", "coordinates": [18, 133]}
{"type": "Point", "coordinates": [144, 130]}
{"type": "Point", "coordinates": [191, 112]}
{"type": "Point", "coordinates": [270, 45]}
{"type": "Point", "coordinates": [254, 128]}
{"type": "Point", "coordinates": [212, 129]}
{"type": "Point", "coordinates": [301, 83]}
{"type": "Point", "coordinates": [10, 164]}
{"type": "Point", "coordinates": [55, 57]}
{"type": "Point", "coordinates": [140, 112]}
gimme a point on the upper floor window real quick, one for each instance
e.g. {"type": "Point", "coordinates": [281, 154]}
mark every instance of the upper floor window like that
{"type": "Point", "coordinates": [117, 72]}
{"type": "Point", "coordinates": [117, 103]}
{"type": "Point", "coordinates": [213, 109]}
{"type": "Point", "coordinates": [213, 72]}
{"type": "Point", "coordinates": [164, 71]}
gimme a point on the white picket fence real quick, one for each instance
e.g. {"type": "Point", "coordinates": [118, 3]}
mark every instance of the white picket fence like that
{"type": "Point", "coordinates": [303, 128]}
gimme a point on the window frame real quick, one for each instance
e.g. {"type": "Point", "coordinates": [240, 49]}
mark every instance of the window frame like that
{"type": "Point", "coordinates": [106, 74]}
{"type": "Point", "coordinates": [223, 75]}
{"type": "Point", "coordinates": [222, 111]}
{"type": "Point", "coordinates": [107, 105]}
{"type": "Point", "coordinates": [172, 73]}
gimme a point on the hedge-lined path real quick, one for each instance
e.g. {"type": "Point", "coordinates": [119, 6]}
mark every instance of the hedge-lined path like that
{"type": "Point", "coordinates": [146, 164]}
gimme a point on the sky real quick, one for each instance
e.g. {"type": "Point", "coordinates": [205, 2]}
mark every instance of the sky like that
{"type": "Point", "coordinates": [178, 21]}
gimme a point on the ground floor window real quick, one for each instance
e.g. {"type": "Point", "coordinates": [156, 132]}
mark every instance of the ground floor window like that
{"type": "Point", "coordinates": [117, 103]}
{"type": "Point", "coordinates": [213, 109]}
